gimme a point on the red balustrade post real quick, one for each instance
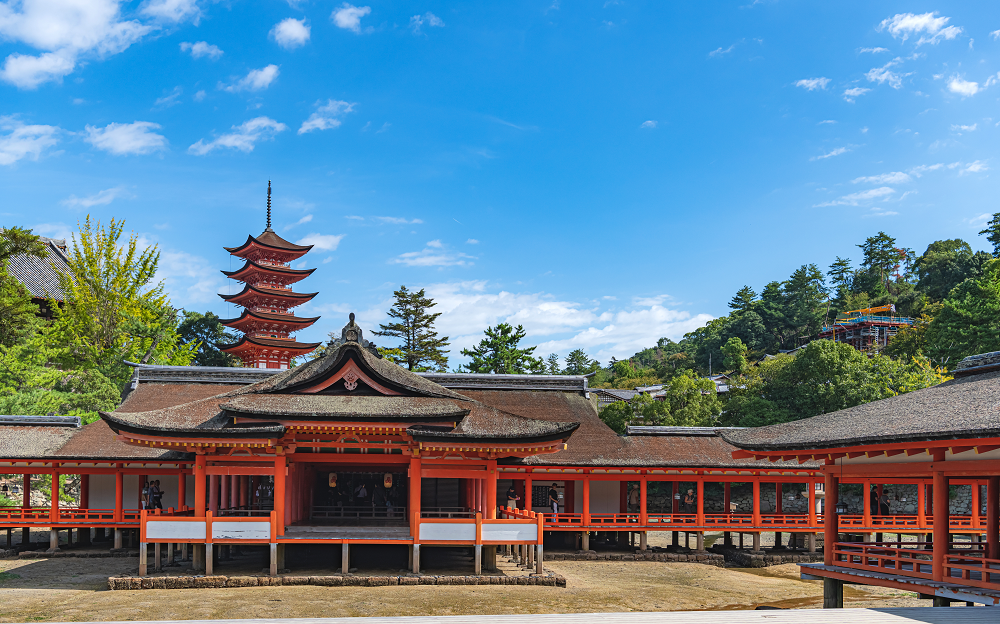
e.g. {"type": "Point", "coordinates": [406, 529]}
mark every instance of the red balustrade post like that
{"type": "Point", "coordinates": [811, 493]}
{"type": "Point", "coordinates": [866, 499]}
{"type": "Point", "coordinates": [586, 500]}
{"type": "Point", "coordinates": [643, 513]}
{"type": "Point", "coordinates": [921, 505]}
{"type": "Point", "coordinates": [831, 530]}
{"type": "Point", "coordinates": [200, 485]}
{"type": "Point", "coordinates": [700, 514]}
{"type": "Point", "coordinates": [491, 490]}
{"type": "Point", "coordinates": [528, 484]}
{"type": "Point", "coordinates": [414, 496]}
{"type": "Point", "coordinates": [974, 515]}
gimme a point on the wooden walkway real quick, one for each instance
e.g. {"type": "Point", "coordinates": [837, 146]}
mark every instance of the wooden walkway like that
{"type": "Point", "coordinates": [943, 589]}
{"type": "Point", "coordinates": [922, 615]}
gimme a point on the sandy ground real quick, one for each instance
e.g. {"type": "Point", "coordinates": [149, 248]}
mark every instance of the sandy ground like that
{"type": "Point", "coordinates": [76, 590]}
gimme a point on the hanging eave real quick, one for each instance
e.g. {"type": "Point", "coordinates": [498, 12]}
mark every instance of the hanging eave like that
{"type": "Point", "coordinates": [249, 291]}
{"type": "Point", "coordinates": [291, 323]}
{"type": "Point", "coordinates": [250, 268]}
{"type": "Point", "coordinates": [253, 343]}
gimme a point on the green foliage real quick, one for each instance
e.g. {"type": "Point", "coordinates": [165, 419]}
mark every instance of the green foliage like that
{"type": "Point", "coordinates": [945, 264]}
{"type": "Point", "coordinates": [688, 401]}
{"type": "Point", "coordinates": [422, 348]}
{"type": "Point", "coordinates": [881, 257]}
{"type": "Point", "coordinates": [823, 377]}
{"type": "Point", "coordinates": [17, 312]}
{"type": "Point", "coordinates": [578, 363]}
{"type": "Point", "coordinates": [113, 311]}
{"type": "Point", "coordinates": [969, 319]}
{"type": "Point", "coordinates": [500, 353]}
{"type": "Point", "coordinates": [911, 341]}
{"type": "Point", "coordinates": [552, 364]}
{"type": "Point", "coordinates": [205, 331]}
{"type": "Point", "coordinates": [735, 353]}
{"type": "Point", "coordinates": [992, 232]}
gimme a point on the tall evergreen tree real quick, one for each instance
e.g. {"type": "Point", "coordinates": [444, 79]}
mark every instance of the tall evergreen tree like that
{"type": "Point", "coordinates": [881, 257]}
{"type": "Point", "coordinates": [992, 232]}
{"type": "Point", "coordinates": [577, 363]}
{"type": "Point", "coordinates": [500, 353]}
{"type": "Point", "coordinates": [743, 300]}
{"type": "Point", "coordinates": [422, 348]}
{"type": "Point", "coordinates": [17, 312]}
{"type": "Point", "coordinates": [209, 333]}
{"type": "Point", "coordinates": [552, 364]}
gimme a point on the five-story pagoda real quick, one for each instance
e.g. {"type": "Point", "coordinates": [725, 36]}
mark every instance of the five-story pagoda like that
{"type": "Point", "coordinates": [267, 297]}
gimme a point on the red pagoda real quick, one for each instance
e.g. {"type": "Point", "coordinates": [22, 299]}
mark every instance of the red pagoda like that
{"type": "Point", "coordinates": [267, 297]}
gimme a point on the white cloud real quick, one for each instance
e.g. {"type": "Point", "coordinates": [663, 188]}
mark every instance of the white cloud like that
{"type": "Point", "coordinates": [305, 219]}
{"type": "Point", "coordinates": [322, 242]}
{"type": "Point", "coordinates": [25, 141]}
{"type": "Point", "coordinates": [349, 16]}
{"type": "Point", "coordinates": [472, 241]}
{"type": "Point", "coordinates": [469, 307]}
{"type": "Point", "coordinates": [64, 31]}
{"type": "Point", "coordinates": [882, 74]}
{"type": "Point", "coordinates": [963, 87]}
{"type": "Point", "coordinates": [720, 51]}
{"type": "Point", "coordinates": [873, 50]}
{"type": "Point", "coordinates": [175, 11]}
{"type": "Point", "coordinates": [326, 116]}
{"type": "Point", "coordinates": [854, 199]}
{"type": "Point", "coordinates": [921, 169]}
{"type": "Point", "coordinates": [398, 220]}
{"type": "Point", "coordinates": [933, 28]}
{"type": "Point", "coordinates": [120, 139]}
{"type": "Point", "coordinates": [417, 21]}
{"type": "Point", "coordinates": [290, 33]}
{"type": "Point", "coordinates": [836, 152]}
{"type": "Point", "coordinates": [827, 121]}
{"type": "Point", "coordinates": [974, 167]}
{"type": "Point", "coordinates": [199, 96]}
{"type": "Point", "coordinates": [960, 128]}
{"type": "Point", "coordinates": [256, 80]}
{"type": "Point", "coordinates": [995, 34]}
{"type": "Point", "coordinates": [169, 100]}
{"type": "Point", "coordinates": [433, 255]}
{"type": "Point", "coordinates": [896, 177]}
{"type": "Point", "coordinates": [102, 198]}
{"type": "Point", "coordinates": [190, 280]}
{"type": "Point", "coordinates": [812, 84]}
{"type": "Point", "coordinates": [52, 230]}
{"type": "Point", "coordinates": [648, 125]}
{"type": "Point", "coordinates": [201, 49]}
{"type": "Point", "coordinates": [850, 94]}
{"type": "Point", "coordinates": [243, 136]}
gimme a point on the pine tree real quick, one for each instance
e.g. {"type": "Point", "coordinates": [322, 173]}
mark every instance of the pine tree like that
{"type": "Point", "coordinates": [552, 364]}
{"type": "Point", "coordinates": [577, 363]}
{"type": "Point", "coordinates": [992, 233]}
{"type": "Point", "coordinates": [743, 300]}
{"type": "Point", "coordinates": [422, 349]}
{"type": "Point", "coordinates": [499, 352]}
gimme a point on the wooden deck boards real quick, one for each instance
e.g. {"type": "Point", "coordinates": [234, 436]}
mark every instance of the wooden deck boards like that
{"type": "Point", "coordinates": [923, 615]}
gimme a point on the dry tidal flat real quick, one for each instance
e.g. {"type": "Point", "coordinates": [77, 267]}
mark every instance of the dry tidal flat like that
{"type": "Point", "coordinates": [76, 590]}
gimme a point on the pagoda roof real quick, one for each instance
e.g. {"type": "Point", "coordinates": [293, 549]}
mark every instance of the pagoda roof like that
{"type": "Point", "coordinates": [269, 240]}
{"type": "Point", "coordinates": [270, 316]}
{"type": "Point", "coordinates": [288, 344]}
{"type": "Point", "coordinates": [248, 291]}
{"type": "Point", "coordinates": [250, 267]}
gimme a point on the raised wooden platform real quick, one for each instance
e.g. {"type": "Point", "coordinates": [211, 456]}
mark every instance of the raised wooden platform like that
{"type": "Point", "coordinates": [942, 589]}
{"type": "Point", "coordinates": [324, 532]}
{"type": "Point", "coordinates": [929, 615]}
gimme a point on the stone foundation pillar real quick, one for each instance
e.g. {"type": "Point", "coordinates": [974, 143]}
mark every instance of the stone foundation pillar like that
{"type": "Point", "coordinates": [811, 542]}
{"type": "Point", "coordinates": [756, 542]}
{"type": "Point", "coordinates": [416, 558]}
{"type": "Point", "coordinates": [833, 594]}
{"type": "Point", "coordinates": [198, 558]}
{"type": "Point", "coordinates": [118, 538]}
{"type": "Point", "coordinates": [157, 554]}
{"type": "Point", "coordinates": [477, 559]}
{"type": "Point", "coordinates": [585, 540]}
{"type": "Point", "coordinates": [699, 541]}
{"type": "Point", "coordinates": [209, 560]}
{"type": "Point", "coordinates": [143, 559]}
{"type": "Point", "coordinates": [53, 540]}
{"type": "Point", "coordinates": [642, 540]}
{"type": "Point", "coordinates": [345, 558]}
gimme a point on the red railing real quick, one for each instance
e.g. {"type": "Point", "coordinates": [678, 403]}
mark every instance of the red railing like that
{"type": "Point", "coordinates": [43, 515]}
{"type": "Point", "coordinates": [915, 560]}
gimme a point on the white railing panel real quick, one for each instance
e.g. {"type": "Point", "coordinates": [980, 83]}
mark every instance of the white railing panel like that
{"type": "Point", "coordinates": [448, 531]}
{"type": "Point", "coordinates": [241, 530]}
{"type": "Point", "coordinates": [508, 532]}
{"type": "Point", "coordinates": [175, 529]}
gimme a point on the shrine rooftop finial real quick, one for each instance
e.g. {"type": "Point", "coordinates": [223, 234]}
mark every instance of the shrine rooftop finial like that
{"type": "Point", "coordinates": [268, 205]}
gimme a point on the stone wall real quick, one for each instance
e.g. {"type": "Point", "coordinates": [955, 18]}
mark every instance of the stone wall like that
{"type": "Point", "coordinates": [707, 558]}
{"type": "Point", "coordinates": [794, 498]}
{"type": "Point", "coordinates": [213, 582]}
{"type": "Point", "coordinates": [903, 499]}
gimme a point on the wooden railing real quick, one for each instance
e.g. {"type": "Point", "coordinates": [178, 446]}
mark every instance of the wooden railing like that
{"type": "Point", "coordinates": [42, 516]}
{"type": "Point", "coordinates": [966, 566]}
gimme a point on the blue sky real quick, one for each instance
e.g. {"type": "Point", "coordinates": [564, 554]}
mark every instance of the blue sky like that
{"type": "Point", "coordinates": [604, 173]}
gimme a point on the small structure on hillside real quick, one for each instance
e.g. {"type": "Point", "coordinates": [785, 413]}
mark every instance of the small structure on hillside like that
{"type": "Point", "coordinates": [866, 329]}
{"type": "Point", "coordinates": [41, 275]}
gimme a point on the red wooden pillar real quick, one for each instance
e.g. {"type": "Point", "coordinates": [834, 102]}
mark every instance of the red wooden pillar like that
{"type": "Point", "coordinates": [586, 500]}
{"type": "Point", "coordinates": [921, 505]}
{"type": "Point", "coordinates": [200, 482]}
{"type": "Point", "coordinates": [528, 485]}
{"type": "Point", "coordinates": [831, 530]}
{"type": "Point", "coordinates": [700, 501]}
{"type": "Point", "coordinates": [26, 492]}
{"type": "Point", "coordinates": [280, 463]}
{"type": "Point", "coordinates": [491, 490]}
{"type": "Point", "coordinates": [993, 517]}
{"type": "Point", "coordinates": [727, 497]}
{"type": "Point", "coordinates": [85, 491]}
{"type": "Point", "coordinates": [181, 489]}
{"type": "Point", "coordinates": [244, 500]}
{"type": "Point", "coordinates": [224, 492]}
{"type": "Point", "coordinates": [941, 528]}
{"type": "Point", "coordinates": [866, 499]}
{"type": "Point", "coordinates": [757, 522]}
{"type": "Point", "coordinates": [643, 513]}
{"type": "Point", "coordinates": [142, 481]}
{"type": "Point", "coordinates": [234, 491]}
{"type": "Point", "coordinates": [119, 492]}
{"type": "Point", "coordinates": [777, 498]}
{"type": "Point", "coordinates": [54, 494]}
{"type": "Point", "coordinates": [974, 519]}
{"type": "Point", "coordinates": [811, 493]}
{"type": "Point", "coordinates": [414, 503]}
{"type": "Point", "coordinates": [213, 494]}
{"type": "Point", "coordinates": [569, 499]}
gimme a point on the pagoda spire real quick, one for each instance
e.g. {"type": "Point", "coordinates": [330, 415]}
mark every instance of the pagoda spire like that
{"type": "Point", "coordinates": [268, 207]}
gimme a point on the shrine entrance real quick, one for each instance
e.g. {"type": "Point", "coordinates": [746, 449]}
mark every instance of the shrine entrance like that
{"type": "Point", "coordinates": [343, 496]}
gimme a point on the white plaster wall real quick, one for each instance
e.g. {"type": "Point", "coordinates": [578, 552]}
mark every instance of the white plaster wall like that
{"type": "Point", "coordinates": [168, 485]}
{"type": "Point", "coordinates": [102, 491]}
{"type": "Point", "coordinates": [605, 497]}
{"type": "Point", "coordinates": [577, 497]}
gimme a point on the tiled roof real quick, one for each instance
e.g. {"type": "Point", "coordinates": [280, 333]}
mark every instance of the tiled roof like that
{"type": "Point", "coordinates": [966, 407]}
{"type": "Point", "coordinates": [41, 276]}
{"type": "Point", "coordinates": [319, 406]}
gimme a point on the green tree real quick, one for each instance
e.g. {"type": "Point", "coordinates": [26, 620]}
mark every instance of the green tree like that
{"type": "Point", "coordinates": [207, 333]}
{"type": "Point", "coordinates": [945, 264]}
{"type": "Point", "coordinates": [500, 353]}
{"type": "Point", "coordinates": [969, 320]}
{"type": "Point", "coordinates": [688, 401]}
{"type": "Point", "coordinates": [992, 232]}
{"type": "Point", "coordinates": [910, 341]}
{"type": "Point", "coordinates": [881, 257]}
{"type": "Point", "coordinates": [735, 355]}
{"type": "Point", "coordinates": [823, 377]}
{"type": "Point", "coordinates": [422, 349]}
{"type": "Point", "coordinates": [552, 364]}
{"type": "Point", "coordinates": [113, 311]}
{"type": "Point", "coordinates": [578, 363]}
{"type": "Point", "coordinates": [743, 300]}
{"type": "Point", "coordinates": [17, 312]}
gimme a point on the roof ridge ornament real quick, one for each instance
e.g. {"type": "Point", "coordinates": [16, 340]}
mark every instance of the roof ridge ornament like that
{"type": "Point", "coordinates": [268, 229]}
{"type": "Point", "coordinates": [351, 332]}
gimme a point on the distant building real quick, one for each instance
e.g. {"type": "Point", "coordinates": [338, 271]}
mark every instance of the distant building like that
{"type": "Point", "coordinates": [41, 275]}
{"type": "Point", "coordinates": [866, 329]}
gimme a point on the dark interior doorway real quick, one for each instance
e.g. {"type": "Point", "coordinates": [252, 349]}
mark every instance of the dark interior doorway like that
{"type": "Point", "coordinates": [359, 498]}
